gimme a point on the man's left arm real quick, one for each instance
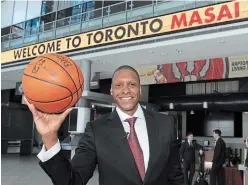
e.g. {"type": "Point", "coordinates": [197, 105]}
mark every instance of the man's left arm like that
{"type": "Point", "coordinates": [217, 154]}
{"type": "Point", "coordinates": [198, 146]}
{"type": "Point", "coordinates": [246, 160]}
{"type": "Point", "coordinates": [175, 173]}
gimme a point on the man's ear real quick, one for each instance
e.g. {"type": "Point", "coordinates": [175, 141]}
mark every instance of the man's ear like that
{"type": "Point", "coordinates": [111, 91]}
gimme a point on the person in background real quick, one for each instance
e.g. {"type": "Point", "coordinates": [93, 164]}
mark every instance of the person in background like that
{"type": "Point", "coordinates": [188, 153]}
{"type": "Point", "coordinates": [201, 177]}
{"type": "Point", "coordinates": [201, 156]}
{"type": "Point", "coordinates": [246, 159]}
{"type": "Point", "coordinates": [218, 159]}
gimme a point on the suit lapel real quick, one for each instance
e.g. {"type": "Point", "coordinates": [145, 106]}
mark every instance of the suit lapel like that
{"type": "Point", "coordinates": [117, 136]}
{"type": "Point", "coordinates": [153, 136]}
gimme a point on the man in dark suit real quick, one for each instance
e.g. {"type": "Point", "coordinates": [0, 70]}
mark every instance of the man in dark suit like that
{"type": "Point", "coordinates": [246, 158]}
{"type": "Point", "coordinates": [217, 171]}
{"type": "Point", "coordinates": [187, 153]}
{"type": "Point", "coordinates": [131, 145]}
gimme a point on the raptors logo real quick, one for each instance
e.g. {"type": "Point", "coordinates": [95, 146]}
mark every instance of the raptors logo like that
{"type": "Point", "coordinates": [209, 69]}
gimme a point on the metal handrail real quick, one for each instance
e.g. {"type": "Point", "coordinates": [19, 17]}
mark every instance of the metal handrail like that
{"type": "Point", "coordinates": [84, 18]}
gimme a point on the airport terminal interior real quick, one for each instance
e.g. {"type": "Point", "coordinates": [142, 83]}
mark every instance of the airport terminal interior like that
{"type": "Point", "coordinates": [191, 57]}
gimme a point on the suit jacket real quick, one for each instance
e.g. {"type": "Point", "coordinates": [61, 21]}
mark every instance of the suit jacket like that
{"type": "Point", "coordinates": [246, 159]}
{"type": "Point", "coordinates": [187, 152]}
{"type": "Point", "coordinates": [104, 144]}
{"type": "Point", "coordinates": [219, 153]}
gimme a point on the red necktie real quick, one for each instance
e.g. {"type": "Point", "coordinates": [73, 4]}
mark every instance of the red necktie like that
{"type": "Point", "coordinates": [135, 147]}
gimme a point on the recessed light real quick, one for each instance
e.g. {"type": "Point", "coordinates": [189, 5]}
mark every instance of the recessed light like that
{"type": "Point", "coordinates": [222, 41]}
{"type": "Point", "coordinates": [179, 51]}
{"type": "Point", "coordinates": [163, 54]}
{"type": "Point", "coordinates": [5, 77]}
{"type": "Point", "coordinates": [104, 62]}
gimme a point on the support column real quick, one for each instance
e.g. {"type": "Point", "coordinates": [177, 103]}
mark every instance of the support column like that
{"type": "Point", "coordinates": [84, 109]}
{"type": "Point", "coordinates": [83, 105]}
{"type": "Point", "coordinates": [85, 66]}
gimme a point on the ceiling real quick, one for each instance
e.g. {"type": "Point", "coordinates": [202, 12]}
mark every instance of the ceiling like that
{"type": "Point", "coordinates": [218, 44]}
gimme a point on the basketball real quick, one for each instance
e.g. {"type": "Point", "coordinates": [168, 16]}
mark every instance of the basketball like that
{"type": "Point", "coordinates": [52, 83]}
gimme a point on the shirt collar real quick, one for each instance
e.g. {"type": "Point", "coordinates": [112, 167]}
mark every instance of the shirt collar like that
{"type": "Point", "coordinates": [123, 116]}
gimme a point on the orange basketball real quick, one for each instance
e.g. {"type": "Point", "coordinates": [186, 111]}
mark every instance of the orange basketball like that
{"type": "Point", "coordinates": [52, 83]}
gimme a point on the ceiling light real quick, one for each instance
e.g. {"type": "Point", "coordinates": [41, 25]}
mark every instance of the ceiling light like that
{"type": "Point", "coordinates": [222, 41]}
{"type": "Point", "coordinates": [171, 106]}
{"type": "Point", "coordinates": [179, 51]}
{"type": "Point", "coordinates": [192, 112]}
{"type": "Point", "coordinates": [205, 105]}
{"type": "Point", "coordinates": [5, 77]}
{"type": "Point", "coordinates": [104, 62]}
{"type": "Point", "coordinates": [163, 54]}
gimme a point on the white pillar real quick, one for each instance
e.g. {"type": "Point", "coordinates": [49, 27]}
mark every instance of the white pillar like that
{"type": "Point", "coordinates": [85, 66]}
{"type": "Point", "coordinates": [83, 105]}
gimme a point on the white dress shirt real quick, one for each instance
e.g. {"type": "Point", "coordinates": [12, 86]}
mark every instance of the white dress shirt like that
{"type": "Point", "coordinates": [190, 143]}
{"type": "Point", "coordinates": [140, 129]}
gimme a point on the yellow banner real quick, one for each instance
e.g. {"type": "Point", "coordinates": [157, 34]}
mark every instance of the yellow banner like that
{"type": "Point", "coordinates": [230, 11]}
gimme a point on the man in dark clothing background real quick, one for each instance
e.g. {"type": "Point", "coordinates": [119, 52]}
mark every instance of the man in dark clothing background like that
{"type": "Point", "coordinates": [188, 153]}
{"type": "Point", "coordinates": [217, 171]}
{"type": "Point", "coordinates": [246, 159]}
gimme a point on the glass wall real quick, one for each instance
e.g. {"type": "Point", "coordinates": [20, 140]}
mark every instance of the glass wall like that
{"type": "Point", "coordinates": [33, 9]}
{"type": "Point", "coordinates": [58, 18]}
{"type": "Point", "coordinates": [76, 11]}
{"type": "Point", "coordinates": [7, 8]}
{"type": "Point", "coordinates": [19, 14]}
{"type": "Point", "coordinates": [31, 27]}
{"type": "Point", "coordinates": [66, 4]}
{"type": "Point", "coordinates": [17, 30]}
{"type": "Point", "coordinates": [5, 31]}
{"type": "Point", "coordinates": [46, 22]}
{"type": "Point", "coordinates": [48, 6]}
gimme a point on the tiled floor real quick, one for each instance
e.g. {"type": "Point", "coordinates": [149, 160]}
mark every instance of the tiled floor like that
{"type": "Point", "coordinates": [21, 170]}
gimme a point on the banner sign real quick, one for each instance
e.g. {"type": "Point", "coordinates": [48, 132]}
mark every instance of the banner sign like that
{"type": "Point", "coordinates": [207, 69]}
{"type": "Point", "coordinates": [225, 12]}
{"type": "Point", "coordinates": [238, 66]}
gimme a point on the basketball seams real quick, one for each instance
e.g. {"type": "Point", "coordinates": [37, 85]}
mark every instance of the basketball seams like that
{"type": "Point", "coordinates": [47, 82]}
{"type": "Point", "coordinates": [63, 69]}
{"type": "Point", "coordinates": [57, 99]}
{"type": "Point", "coordinates": [71, 94]}
{"type": "Point", "coordinates": [52, 102]}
